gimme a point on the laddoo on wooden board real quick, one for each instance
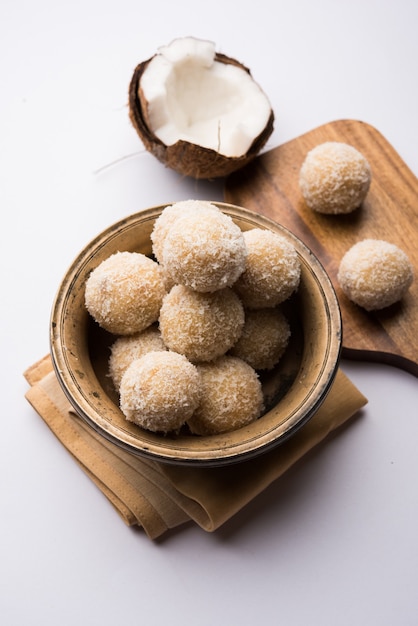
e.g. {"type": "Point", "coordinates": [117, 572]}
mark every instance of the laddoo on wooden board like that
{"type": "Point", "coordinates": [270, 186]}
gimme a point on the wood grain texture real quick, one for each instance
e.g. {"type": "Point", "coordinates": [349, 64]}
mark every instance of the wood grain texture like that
{"type": "Point", "coordinates": [270, 186]}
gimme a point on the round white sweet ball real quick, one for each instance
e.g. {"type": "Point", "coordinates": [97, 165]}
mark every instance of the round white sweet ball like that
{"type": "Point", "coordinates": [375, 274]}
{"type": "Point", "coordinates": [160, 391]}
{"type": "Point", "coordinates": [334, 178]}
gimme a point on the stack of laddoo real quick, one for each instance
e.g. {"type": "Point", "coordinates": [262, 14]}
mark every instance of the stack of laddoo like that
{"type": "Point", "coordinates": [196, 324]}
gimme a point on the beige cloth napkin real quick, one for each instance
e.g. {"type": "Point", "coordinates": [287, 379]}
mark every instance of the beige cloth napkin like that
{"type": "Point", "coordinates": [159, 496]}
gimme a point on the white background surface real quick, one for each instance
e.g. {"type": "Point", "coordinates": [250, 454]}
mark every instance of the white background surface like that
{"type": "Point", "coordinates": [334, 542]}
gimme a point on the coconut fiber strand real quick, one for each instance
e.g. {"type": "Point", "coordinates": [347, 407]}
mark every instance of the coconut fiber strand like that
{"type": "Point", "coordinates": [158, 496]}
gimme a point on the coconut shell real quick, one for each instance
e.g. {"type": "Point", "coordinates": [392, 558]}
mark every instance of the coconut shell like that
{"type": "Point", "coordinates": [189, 159]}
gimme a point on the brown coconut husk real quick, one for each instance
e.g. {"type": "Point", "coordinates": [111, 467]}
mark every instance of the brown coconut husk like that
{"type": "Point", "coordinates": [187, 158]}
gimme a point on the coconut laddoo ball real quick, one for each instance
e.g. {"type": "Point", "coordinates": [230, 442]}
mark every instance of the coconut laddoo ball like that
{"type": "Point", "coordinates": [167, 218]}
{"type": "Point", "coordinates": [202, 326]}
{"type": "Point", "coordinates": [334, 178]}
{"type": "Point", "coordinates": [160, 391]}
{"type": "Point", "coordinates": [231, 397]}
{"type": "Point", "coordinates": [272, 271]}
{"type": "Point", "coordinates": [124, 293]}
{"type": "Point", "coordinates": [375, 274]}
{"type": "Point", "coordinates": [128, 348]}
{"type": "Point", "coordinates": [204, 250]}
{"type": "Point", "coordinates": [264, 338]}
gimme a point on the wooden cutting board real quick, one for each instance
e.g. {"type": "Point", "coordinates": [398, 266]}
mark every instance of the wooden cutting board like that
{"type": "Point", "coordinates": [269, 185]}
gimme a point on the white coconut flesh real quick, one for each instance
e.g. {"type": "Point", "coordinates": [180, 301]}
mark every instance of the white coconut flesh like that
{"type": "Point", "coordinates": [192, 97]}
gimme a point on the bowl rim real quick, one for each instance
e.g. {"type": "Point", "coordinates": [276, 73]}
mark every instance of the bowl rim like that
{"type": "Point", "coordinates": [163, 449]}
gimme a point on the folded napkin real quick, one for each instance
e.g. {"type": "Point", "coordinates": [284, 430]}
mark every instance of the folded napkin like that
{"type": "Point", "coordinates": [160, 496]}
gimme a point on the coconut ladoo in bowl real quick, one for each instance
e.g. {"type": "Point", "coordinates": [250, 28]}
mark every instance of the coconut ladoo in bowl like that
{"type": "Point", "coordinates": [128, 348]}
{"type": "Point", "coordinates": [198, 111]}
{"type": "Point", "coordinates": [205, 252]}
{"type": "Point", "coordinates": [282, 399]}
{"type": "Point", "coordinates": [201, 326]}
{"type": "Point", "coordinates": [160, 391]}
{"type": "Point", "coordinates": [124, 293]}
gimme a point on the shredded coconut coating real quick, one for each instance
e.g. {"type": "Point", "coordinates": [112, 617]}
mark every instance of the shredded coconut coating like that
{"type": "Point", "coordinates": [272, 270]}
{"type": "Point", "coordinates": [124, 293]}
{"type": "Point", "coordinates": [231, 397]}
{"type": "Point", "coordinates": [202, 326]}
{"type": "Point", "coordinates": [128, 348]}
{"type": "Point", "coordinates": [160, 391]}
{"type": "Point", "coordinates": [204, 251]}
{"type": "Point", "coordinates": [167, 218]}
{"type": "Point", "coordinates": [334, 178]}
{"type": "Point", "coordinates": [264, 338]}
{"type": "Point", "coordinates": [375, 274]}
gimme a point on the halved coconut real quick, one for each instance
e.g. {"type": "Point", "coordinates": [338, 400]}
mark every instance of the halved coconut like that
{"type": "Point", "coordinates": [198, 111]}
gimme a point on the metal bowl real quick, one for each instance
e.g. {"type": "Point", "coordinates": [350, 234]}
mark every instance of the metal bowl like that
{"type": "Point", "coordinates": [294, 390]}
